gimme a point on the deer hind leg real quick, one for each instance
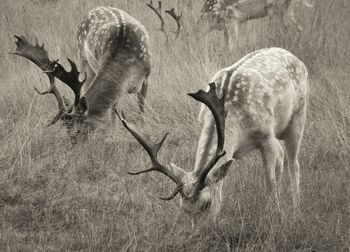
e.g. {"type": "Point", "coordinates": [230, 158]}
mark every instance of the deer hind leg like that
{"type": "Point", "coordinates": [226, 38]}
{"type": "Point", "coordinates": [273, 155]}
{"type": "Point", "coordinates": [229, 43]}
{"type": "Point", "coordinates": [292, 139]}
{"type": "Point", "coordinates": [141, 95]}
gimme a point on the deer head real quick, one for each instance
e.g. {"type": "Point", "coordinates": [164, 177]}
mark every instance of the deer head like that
{"type": "Point", "coordinates": [67, 111]}
{"type": "Point", "coordinates": [195, 188]}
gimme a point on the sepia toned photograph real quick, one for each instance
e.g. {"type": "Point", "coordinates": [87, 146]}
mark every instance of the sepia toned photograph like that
{"type": "Point", "coordinates": [175, 125]}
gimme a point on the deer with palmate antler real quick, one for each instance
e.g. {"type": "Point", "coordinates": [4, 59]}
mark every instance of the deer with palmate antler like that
{"type": "Point", "coordinates": [220, 14]}
{"type": "Point", "coordinates": [250, 105]}
{"type": "Point", "coordinates": [114, 56]}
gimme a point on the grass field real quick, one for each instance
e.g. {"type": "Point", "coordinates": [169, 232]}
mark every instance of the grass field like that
{"type": "Point", "coordinates": [58, 197]}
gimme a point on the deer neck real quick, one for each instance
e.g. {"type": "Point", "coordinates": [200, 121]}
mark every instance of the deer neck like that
{"type": "Point", "coordinates": [106, 88]}
{"type": "Point", "coordinates": [206, 144]}
{"type": "Point", "coordinates": [234, 136]}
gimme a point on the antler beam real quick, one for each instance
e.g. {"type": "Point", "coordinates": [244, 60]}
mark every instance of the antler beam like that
{"type": "Point", "coordinates": [216, 106]}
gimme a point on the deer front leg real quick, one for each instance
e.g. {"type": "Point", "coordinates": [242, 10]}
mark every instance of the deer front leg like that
{"type": "Point", "coordinates": [292, 140]}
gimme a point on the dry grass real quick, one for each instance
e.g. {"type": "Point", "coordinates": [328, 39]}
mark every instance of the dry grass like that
{"type": "Point", "coordinates": [55, 196]}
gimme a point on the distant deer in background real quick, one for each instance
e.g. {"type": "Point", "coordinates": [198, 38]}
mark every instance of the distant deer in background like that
{"type": "Point", "coordinates": [113, 50]}
{"type": "Point", "coordinates": [250, 105]}
{"type": "Point", "coordinates": [220, 14]}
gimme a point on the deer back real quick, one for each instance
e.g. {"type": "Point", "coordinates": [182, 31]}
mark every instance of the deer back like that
{"type": "Point", "coordinates": [108, 31]}
{"type": "Point", "coordinates": [115, 45]}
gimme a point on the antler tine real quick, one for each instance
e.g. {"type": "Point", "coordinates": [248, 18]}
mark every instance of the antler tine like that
{"type": "Point", "coordinates": [174, 193]}
{"type": "Point", "coordinates": [216, 106]}
{"type": "Point", "coordinates": [57, 117]}
{"type": "Point", "coordinates": [152, 150]}
{"type": "Point", "coordinates": [70, 78]}
{"type": "Point", "coordinates": [61, 102]}
{"type": "Point", "coordinates": [158, 12]}
{"type": "Point", "coordinates": [177, 19]}
{"type": "Point", "coordinates": [39, 56]}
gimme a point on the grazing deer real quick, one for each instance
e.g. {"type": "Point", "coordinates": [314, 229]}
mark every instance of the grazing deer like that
{"type": "Point", "coordinates": [113, 53]}
{"type": "Point", "coordinates": [220, 13]}
{"type": "Point", "coordinates": [263, 99]}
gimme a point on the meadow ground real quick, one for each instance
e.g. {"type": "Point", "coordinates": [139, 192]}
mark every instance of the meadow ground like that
{"type": "Point", "coordinates": [55, 196]}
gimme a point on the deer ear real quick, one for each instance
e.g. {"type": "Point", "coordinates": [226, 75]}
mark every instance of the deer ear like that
{"type": "Point", "coordinates": [83, 105]}
{"type": "Point", "coordinates": [219, 172]}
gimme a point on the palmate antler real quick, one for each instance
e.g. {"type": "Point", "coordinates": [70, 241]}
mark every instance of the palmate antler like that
{"type": "Point", "coordinates": [177, 19]}
{"type": "Point", "coordinates": [158, 12]}
{"type": "Point", "coordinates": [70, 78]}
{"type": "Point", "coordinates": [216, 106]}
{"type": "Point", "coordinates": [39, 56]}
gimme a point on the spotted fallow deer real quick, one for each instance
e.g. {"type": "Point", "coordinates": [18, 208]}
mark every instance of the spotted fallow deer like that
{"type": "Point", "coordinates": [113, 53]}
{"type": "Point", "coordinates": [220, 14]}
{"type": "Point", "coordinates": [253, 104]}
